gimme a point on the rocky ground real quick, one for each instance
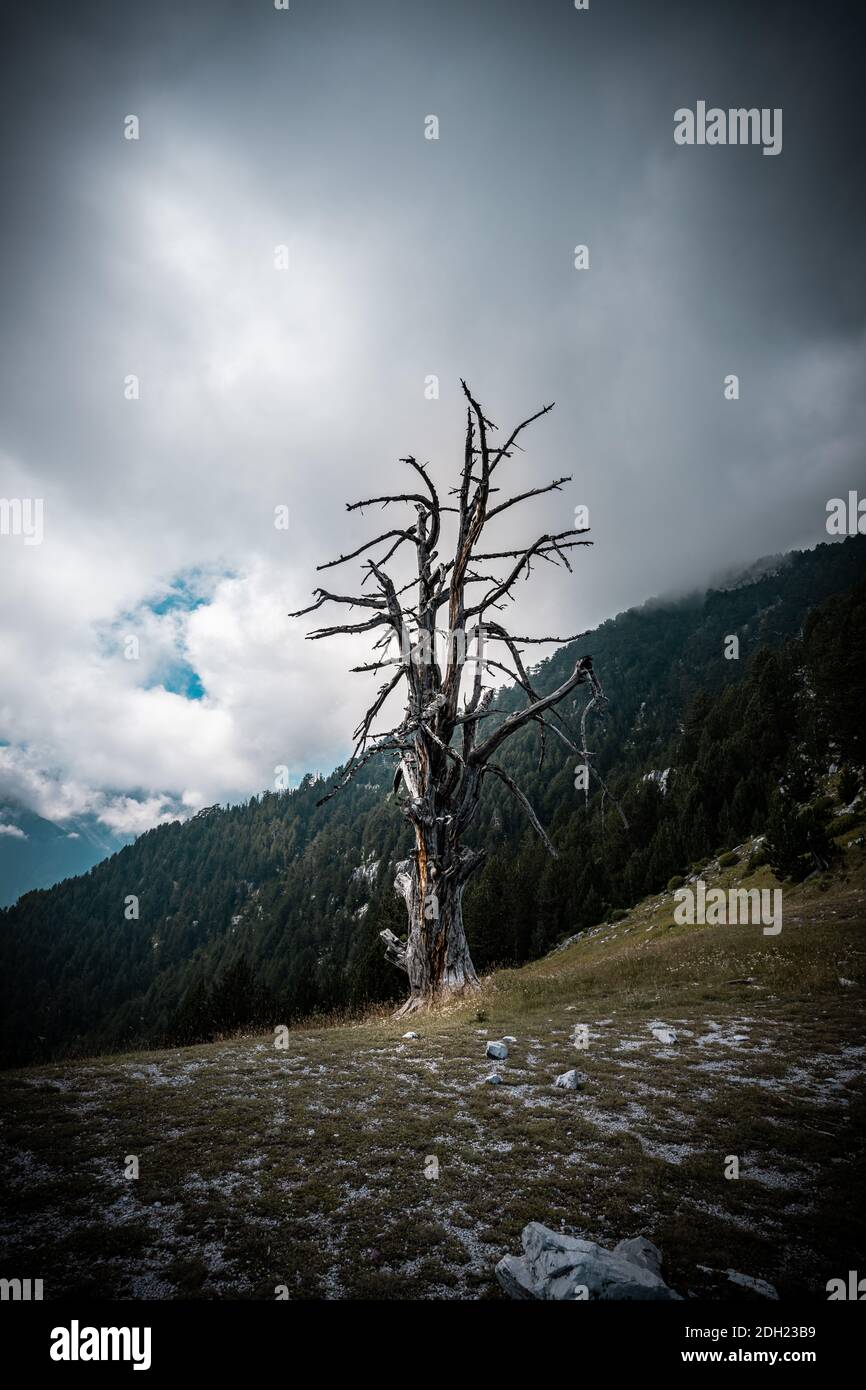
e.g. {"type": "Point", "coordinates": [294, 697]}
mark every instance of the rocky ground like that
{"type": "Point", "coordinates": [356, 1162]}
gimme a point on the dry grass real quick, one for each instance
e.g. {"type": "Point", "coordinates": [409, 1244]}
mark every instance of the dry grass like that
{"type": "Point", "coordinates": [305, 1167]}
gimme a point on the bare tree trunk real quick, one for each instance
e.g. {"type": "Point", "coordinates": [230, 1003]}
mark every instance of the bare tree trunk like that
{"type": "Point", "coordinates": [437, 958]}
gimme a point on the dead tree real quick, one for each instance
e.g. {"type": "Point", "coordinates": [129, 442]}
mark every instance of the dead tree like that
{"type": "Point", "coordinates": [443, 750]}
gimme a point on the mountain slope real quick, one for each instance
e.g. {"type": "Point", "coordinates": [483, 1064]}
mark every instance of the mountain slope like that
{"type": "Point", "coordinates": [307, 1167]}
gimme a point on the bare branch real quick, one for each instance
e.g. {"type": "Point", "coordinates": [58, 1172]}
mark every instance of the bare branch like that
{"type": "Point", "coordinates": [507, 554]}
{"type": "Point", "coordinates": [385, 501]}
{"type": "Point", "coordinates": [349, 627]}
{"type": "Point", "coordinates": [325, 597]}
{"type": "Point", "coordinates": [533, 492]}
{"type": "Point", "coordinates": [503, 452]}
{"type": "Point", "coordinates": [368, 545]}
{"type": "Point", "coordinates": [376, 665]}
{"type": "Point", "coordinates": [363, 728]}
{"type": "Point", "coordinates": [523, 562]}
{"type": "Point", "coordinates": [502, 636]}
{"type": "Point", "coordinates": [356, 768]}
{"type": "Point", "coordinates": [516, 721]}
{"type": "Point", "coordinates": [519, 796]}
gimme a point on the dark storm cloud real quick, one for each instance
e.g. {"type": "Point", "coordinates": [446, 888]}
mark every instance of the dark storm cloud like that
{"type": "Point", "coordinates": [408, 257]}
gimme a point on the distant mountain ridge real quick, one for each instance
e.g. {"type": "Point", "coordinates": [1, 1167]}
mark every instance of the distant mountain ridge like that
{"type": "Point", "coordinates": [45, 853]}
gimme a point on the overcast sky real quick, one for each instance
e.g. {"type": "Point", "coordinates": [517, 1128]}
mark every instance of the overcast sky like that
{"type": "Point", "coordinates": [408, 257]}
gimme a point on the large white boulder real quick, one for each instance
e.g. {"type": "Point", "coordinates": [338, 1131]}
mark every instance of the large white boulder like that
{"type": "Point", "coordinates": [555, 1266]}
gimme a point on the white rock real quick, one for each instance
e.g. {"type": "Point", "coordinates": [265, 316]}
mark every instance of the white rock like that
{"type": "Point", "coordinates": [507, 1038]}
{"type": "Point", "coordinates": [555, 1266]}
{"type": "Point", "coordinates": [747, 1281]}
{"type": "Point", "coordinates": [410, 1035]}
{"type": "Point", "coordinates": [849, 984]}
{"type": "Point", "coordinates": [570, 1080]}
{"type": "Point", "coordinates": [664, 1035]}
{"type": "Point", "coordinates": [494, 1079]}
{"type": "Point", "coordinates": [497, 1050]}
{"type": "Point", "coordinates": [642, 1252]}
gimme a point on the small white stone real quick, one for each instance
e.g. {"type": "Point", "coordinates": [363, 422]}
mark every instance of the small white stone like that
{"type": "Point", "coordinates": [494, 1079]}
{"type": "Point", "coordinates": [410, 1035]}
{"type": "Point", "coordinates": [665, 1035]}
{"type": "Point", "coordinates": [497, 1050]}
{"type": "Point", "coordinates": [570, 1080]}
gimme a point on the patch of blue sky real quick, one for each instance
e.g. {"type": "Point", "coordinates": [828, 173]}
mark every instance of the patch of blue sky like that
{"type": "Point", "coordinates": [184, 593]}
{"type": "Point", "coordinates": [180, 678]}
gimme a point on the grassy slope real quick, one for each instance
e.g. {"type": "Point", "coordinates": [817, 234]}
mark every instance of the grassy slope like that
{"type": "Point", "coordinates": [305, 1167]}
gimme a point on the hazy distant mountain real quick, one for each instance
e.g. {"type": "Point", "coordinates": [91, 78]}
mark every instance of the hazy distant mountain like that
{"type": "Point", "coordinates": [36, 853]}
{"type": "Point", "coordinates": [737, 577]}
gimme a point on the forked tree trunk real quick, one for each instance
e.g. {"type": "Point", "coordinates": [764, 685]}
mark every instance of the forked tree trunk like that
{"type": "Point", "coordinates": [436, 956]}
